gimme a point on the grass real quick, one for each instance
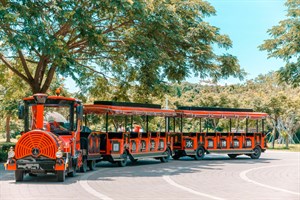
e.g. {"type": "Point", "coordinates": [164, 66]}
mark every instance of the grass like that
{"type": "Point", "coordinates": [292, 147]}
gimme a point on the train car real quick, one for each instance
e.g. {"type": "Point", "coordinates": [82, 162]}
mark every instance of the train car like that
{"type": "Point", "coordinates": [120, 139]}
{"type": "Point", "coordinates": [51, 141]}
{"type": "Point", "coordinates": [214, 132]}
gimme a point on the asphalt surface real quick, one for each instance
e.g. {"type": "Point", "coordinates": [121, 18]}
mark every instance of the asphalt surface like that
{"type": "Point", "coordinates": [274, 176]}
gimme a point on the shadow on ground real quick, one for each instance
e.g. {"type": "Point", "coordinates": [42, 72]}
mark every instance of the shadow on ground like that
{"type": "Point", "coordinates": [106, 171]}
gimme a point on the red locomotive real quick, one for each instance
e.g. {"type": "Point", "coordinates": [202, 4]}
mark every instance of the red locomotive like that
{"type": "Point", "coordinates": [51, 142]}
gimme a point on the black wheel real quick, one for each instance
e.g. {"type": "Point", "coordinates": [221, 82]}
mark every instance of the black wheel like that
{"type": "Point", "coordinates": [19, 175]}
{"type": "Point", "coordinates": [199, 153]}
{"type": "Point", "coordinates": [256, 154]}
{"type": "Point", "coordinates": [72, 173]}
{"type": "Point", "coordinates": [123, 162]}
{"type": "Point", "coordinates": [84, 166]}
{"type": "Point", "coordinates": [60, 176]}
{"type": "Point", "coordinates": [232, 156]}
{"type": "Point", "coordinates": [176, 156]}
{"type": "Point", "coordinates": [132, 159]}
{"type": "Point", "coordinates": [32, 175]}
{"type": "Point", "coordinates": [167, 157]}
{"type": "Point", "coordinates": [92, 165]}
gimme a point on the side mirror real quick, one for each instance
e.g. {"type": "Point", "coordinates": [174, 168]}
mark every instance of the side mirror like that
{"type": "Point", "coordinates": [21, 109]}
{"type": "Point", "coordinates": [79, 110]}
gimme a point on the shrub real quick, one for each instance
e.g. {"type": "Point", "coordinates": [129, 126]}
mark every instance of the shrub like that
{"type": "Point", "coordinates": [3, 156]}
{"type": "Point", "coordinates": [6, 146]}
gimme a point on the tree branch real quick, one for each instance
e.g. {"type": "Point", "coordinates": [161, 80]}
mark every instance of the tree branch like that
{"type": "Point", "coordinates": [49, 78]}
{"type": "Point", "coordinates": [6, 62]}
{"type": "Point", "coordinates": [95, 71]}
{"type": "Point", "coordinates": [114, 28]}
{"type": "Point", "coordinates": [25, 67]}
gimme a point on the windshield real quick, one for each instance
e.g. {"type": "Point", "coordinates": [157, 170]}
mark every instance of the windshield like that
{"type": "Point", "coordinates": [56, 119]}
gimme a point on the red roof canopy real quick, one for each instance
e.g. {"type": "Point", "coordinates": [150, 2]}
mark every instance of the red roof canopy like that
{"type": "Point", "coordinates": [125, 110]}
{"type": "Point", "coordinates": [221, 114]}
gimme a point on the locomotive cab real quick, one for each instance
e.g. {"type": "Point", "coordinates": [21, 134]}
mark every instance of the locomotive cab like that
{"type": "Point", "coordinates": [51, 139]}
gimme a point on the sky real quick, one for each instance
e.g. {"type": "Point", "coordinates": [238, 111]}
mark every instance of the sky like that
{"type": "Point", "coordinates": [246, 22]}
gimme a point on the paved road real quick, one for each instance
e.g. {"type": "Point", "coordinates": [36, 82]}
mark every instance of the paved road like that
{"type": "Point", "coordinates": [274, 176]}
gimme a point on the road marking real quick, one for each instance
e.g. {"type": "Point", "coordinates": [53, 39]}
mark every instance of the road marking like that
{"type": "Point", "coordinates": [243, 176]}
{"type": "Point", "coordinates": [171, 182]}
{"type": "Point", "coordinates": [84, 184]}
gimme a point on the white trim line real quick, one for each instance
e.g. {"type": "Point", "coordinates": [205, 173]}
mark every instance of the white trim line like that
{"type": "Point", "coordinates": [243, 175]}
{"type": "Point", "coordinates": [171, 182]}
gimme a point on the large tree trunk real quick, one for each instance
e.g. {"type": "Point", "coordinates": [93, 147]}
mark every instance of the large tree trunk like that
{"type": "Point", "coordinates": [7, 128]}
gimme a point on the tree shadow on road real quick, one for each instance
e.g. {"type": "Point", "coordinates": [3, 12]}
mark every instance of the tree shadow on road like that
{"type": "Point", "coordinates": [106, 171]}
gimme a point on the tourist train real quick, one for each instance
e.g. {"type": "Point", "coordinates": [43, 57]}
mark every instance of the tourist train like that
{"type": "Point", "coordinates": [62, 136]}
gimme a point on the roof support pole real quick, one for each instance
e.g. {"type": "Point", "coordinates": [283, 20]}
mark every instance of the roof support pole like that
{"type": "Point", "coordinates": [147, 124]}
{"type": "Point", "coordinates": [181, 124]}
{"type": "Point", "coordinates": [174, 123]}
{"type": "Point", "coordinates": [247, 121]}
{"type": "Point", "coordinates": [200, 126]}
{"type": "Point", "coordinates": [106, 122]}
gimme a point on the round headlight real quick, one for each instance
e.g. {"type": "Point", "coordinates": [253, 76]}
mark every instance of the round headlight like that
{"type": "Point", "coordinates": [59, 154]}
{"type": "Point", "coordinates": [10, 154]}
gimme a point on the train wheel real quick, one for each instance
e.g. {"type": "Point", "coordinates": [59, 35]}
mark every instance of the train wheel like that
{"type": "Point", "coordinates": [19, 175]}
{"type": "Point", "coordinates": [256, 154]}
{"type": "Point", "coordinates": [199, 153]}
{"type": "Point", "coordinates": [84, 166]}
{"type": "Point", "coordinates": [166, 158]}
{"type": "Point", "coordinates": [232, 156]}
{"type": "Point", "coordinates": [60, 176]}
{"type": "Point", "coordinates": [176, 156]}
{"type": "Point", "coordinates": [132, 159]}
{"type": "Point", "coordinates": [92, 165]}
{"type": "Point", "coordinates": [32, 175]}
{"type": "Point", "coordinates": [72, 173]}
{"type": "Point", "coordinates": [123, 162]}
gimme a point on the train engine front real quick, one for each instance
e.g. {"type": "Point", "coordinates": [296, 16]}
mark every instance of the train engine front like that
{"type": "Point", "coordinates": [51, 140]}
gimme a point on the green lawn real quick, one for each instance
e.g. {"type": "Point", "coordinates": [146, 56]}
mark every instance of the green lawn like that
{"type": "Point", "coordinates": [292, 147]}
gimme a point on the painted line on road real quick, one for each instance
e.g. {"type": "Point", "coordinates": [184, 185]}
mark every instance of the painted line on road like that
{"type": "Point", "coordinates": [171, 182]}
{"type": "Point", "coordinates": [84, 184]}
{"type": "Point", "coordinates": [243, 175]}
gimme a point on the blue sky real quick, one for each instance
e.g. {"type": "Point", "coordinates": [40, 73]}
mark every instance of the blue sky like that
{"type": "Point", "coordinates": [246, 22]}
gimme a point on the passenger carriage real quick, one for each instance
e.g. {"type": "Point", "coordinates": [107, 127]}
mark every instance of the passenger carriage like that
{"type": "Point", "coordinates": [150, 140]}
{"type": "Point", "coordinates": [232, 139]}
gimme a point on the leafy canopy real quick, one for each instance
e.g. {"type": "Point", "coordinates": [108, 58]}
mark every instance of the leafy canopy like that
{"type": "Point", "coordinates": [285, 43]}
{"type": "Point", "coordinates": [129, 41]}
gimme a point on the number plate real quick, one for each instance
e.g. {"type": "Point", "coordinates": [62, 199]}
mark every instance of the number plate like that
{"type": "Point", "coordinates": [32, 166]}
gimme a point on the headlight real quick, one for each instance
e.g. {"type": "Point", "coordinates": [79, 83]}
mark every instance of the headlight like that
{"type": "Point", "coordinates": [10, 154]}
{"type": "Point", "coordinates": [59, 154]}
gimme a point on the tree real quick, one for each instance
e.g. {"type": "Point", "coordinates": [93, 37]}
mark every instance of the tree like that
{"type": "Point", "coordinates": [285, 43]}
{"type": "Point", "coordinates": [11, 92]}
{"type": "Point", "coordinates": [263, 94]}
{"type": "Point", "coordinates": [140, 42]}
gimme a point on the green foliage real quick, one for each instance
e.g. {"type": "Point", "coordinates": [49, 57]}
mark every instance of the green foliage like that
{"type": "Point", "coordinates": [3, 156]}
{"type": "Point", "coordinates": [4, 148]}
{"type": "Point", "coordinates": [285, 43]}
{"type": "Point", "coordinates": [122, 44]}
{"type": "Point", "coordinates": [262, 94]}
